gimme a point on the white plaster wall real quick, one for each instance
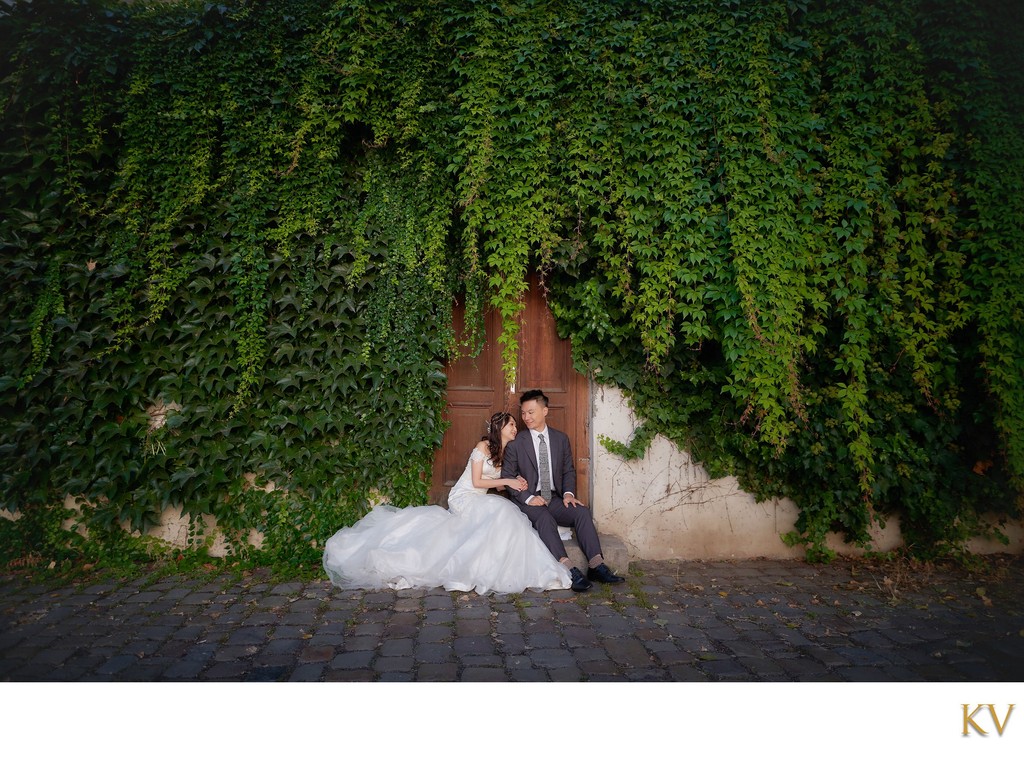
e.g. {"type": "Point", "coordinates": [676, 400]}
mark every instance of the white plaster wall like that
{"type": "Point", "coordinates": [174, 526]}
{"type": "Point", "coordinates": [666, 506]}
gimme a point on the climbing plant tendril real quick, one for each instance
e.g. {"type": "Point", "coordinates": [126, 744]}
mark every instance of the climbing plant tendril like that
{"type": "Point", "coordinates": [791, 232]}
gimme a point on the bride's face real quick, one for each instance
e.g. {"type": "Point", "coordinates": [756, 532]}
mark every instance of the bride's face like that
{"type": "Point", "coordinates": [508, 432]}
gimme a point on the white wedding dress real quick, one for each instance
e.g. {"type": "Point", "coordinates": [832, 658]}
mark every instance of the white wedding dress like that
{"type": "Point", "coordinates": [482, 542]}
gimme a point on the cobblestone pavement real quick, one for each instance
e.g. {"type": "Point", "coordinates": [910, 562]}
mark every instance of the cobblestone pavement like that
{"type": "Point", "coordinates": [672, 621]}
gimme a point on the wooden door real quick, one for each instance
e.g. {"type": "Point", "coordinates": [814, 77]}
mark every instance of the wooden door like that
{"type": "Point", "coordinates": [476, 389]}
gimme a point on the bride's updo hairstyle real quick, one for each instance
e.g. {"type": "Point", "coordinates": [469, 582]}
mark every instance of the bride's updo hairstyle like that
{"type": "Point", "coordinates": [494, 426]}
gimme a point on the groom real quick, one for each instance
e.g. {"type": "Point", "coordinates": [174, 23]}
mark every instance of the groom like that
{"type": "Point", "coordinates": [543, 457]}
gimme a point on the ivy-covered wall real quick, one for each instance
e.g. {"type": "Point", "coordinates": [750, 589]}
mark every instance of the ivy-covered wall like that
{"type": "Point", "coordinates": [790, 231]}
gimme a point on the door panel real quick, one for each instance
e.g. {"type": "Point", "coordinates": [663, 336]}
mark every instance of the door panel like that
{"type": "Point", "coordinates": [475, 390]}
{"type": "Point", "coordinates": [545, 363]}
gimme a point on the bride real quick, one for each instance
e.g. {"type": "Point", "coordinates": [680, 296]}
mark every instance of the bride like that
{"type": "Point", "coordinates": [482, 542]}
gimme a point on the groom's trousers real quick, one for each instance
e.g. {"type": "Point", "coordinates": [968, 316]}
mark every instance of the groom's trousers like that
{"type": "Point", "coordinates": [547, 519]}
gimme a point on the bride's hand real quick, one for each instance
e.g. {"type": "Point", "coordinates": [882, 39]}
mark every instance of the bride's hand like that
{"type": "Point", "coordinates": [521, 484]}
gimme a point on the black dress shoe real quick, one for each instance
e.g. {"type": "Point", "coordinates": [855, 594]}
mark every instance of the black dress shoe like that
{"type": "Point", "coordinates": [579, 582]}
{"type": "Point", "coordinates": [604, 575]}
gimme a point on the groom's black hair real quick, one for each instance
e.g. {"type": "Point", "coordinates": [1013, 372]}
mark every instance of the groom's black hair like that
{"type": "Point", "coordinates": [534, 395]}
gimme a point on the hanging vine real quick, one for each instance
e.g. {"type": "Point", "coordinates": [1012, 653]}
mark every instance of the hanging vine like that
{"type": "Point", "coordinates": [233, 234]}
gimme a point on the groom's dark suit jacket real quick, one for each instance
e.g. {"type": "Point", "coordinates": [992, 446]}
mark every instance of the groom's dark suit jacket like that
{"type": "Point", "coordinates": [521, 459]}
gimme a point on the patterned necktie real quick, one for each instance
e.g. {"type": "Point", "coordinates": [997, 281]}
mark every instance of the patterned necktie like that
{"type": "Point", "coordinates": [545, 470]}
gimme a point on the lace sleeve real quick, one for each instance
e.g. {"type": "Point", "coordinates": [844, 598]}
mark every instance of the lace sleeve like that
{"type": "Point", "coordinates": [477, 455]}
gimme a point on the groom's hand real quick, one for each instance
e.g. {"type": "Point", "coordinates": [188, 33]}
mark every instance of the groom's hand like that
{"type": "Point", "coordinates": [570, 501]}
{"type": "Point", "coordinates": [539, 501]}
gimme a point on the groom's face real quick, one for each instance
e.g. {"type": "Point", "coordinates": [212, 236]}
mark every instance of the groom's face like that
{"type": "Point", "coordinates": [534, 414]}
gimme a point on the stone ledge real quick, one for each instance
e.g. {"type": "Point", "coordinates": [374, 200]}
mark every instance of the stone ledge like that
{"type": "Point", "coordinates": [612, 548]}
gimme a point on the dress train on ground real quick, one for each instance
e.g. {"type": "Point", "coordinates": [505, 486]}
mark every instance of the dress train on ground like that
{"type": "Point", "coordinates": [482, 543]}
